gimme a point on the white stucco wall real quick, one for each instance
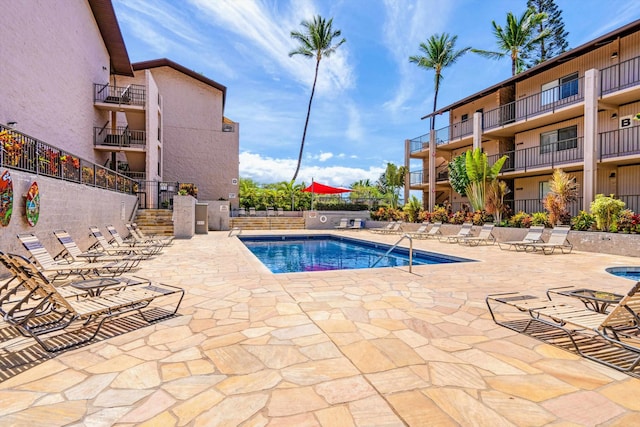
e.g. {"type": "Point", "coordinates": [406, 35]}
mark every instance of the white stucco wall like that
{"type": "Point", "coordinates": [52, 54]}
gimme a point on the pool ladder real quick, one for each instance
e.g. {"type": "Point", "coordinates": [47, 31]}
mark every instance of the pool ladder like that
{"type": "Point", "coordinates": [404, 236]}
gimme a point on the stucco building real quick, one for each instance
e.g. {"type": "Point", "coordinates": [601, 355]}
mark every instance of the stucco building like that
{"type": "Point", "coordinates": [572, 112]}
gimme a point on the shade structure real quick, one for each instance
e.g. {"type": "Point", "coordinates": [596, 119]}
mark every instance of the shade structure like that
{"type": "Point", "coordinates": [318, 188]}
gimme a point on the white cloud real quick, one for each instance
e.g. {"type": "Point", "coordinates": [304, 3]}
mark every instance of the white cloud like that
{"type": "Point", "coordinates": [266, 170]}
{"type": "Point", "coordinates": [323, 157]}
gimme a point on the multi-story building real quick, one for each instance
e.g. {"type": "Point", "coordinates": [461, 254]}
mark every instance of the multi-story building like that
{"type": "Point", "coordinates": [67, 80]}
{"type": "Point", "coordinates": [572, 112]}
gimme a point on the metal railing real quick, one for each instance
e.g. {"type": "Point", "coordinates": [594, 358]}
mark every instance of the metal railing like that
{"type": "Point", "coordinates": [418, 178]}
{"type": "Point", "coordinates": [548, 155]}
{"type": "Point", "coordinates": [121, 136]}
{"type": "Point", "coordinates": [631, 202]}
{"type": "Point", "coordinates": [442, 135]}
{"type": "Point", "coordinates": [537, 205]}
{"type": "Point", "coordinates": [620, 142]}
{"type": "Point", "coordinates": [127, 95]}
{"type": "Point", "coordinates": [25, 153]}
{"type": "Point", "coordinates": [420, 143]}
{"type": "Point", "coordinates": [620, 76]}
{"type": "Point", "coordinates": [404, 236]}
{"type": "Point", "coordinates": [461, 129]}
{"type": "Point", "coordinates": [546, 101]}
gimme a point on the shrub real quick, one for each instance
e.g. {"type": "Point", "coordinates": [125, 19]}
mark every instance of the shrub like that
{"type": "Point", "coordinates": [520, 220]}
{"type": "Point", "coordinates": [606, 211]}
{"type": "Point", "coordinates": [540, 218]}
{"type": "Point", "coordinates": [424, 216]}
{"type": "Point", "coordinates": [480, 218]}
{"type": "Point", "coordinates": [583, 221]}
{"type": "Point", "coordinates": [412, 209]}
{"type": "Point", "coordinates": [458, 217]}
{"type": "Point", "coordinates": [388, 214]}
{"type": "Point", "coordinates": [628, 222]}
{"type": "Point", "coordinates": [440, 214]}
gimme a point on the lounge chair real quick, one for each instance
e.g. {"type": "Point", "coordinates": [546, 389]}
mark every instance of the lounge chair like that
{"type": "Point", "coordinates": [611, 339]}
{"type": "Point", "coordinates": [242, 212]}
{"type": "Point", "coordinates": [392, 227]}
{"type": "Point", "coordinates": [557, 240]}
{"type": "Point", "coordinates": [119, 241]}
{"type": "Point", "coordinates": [433, 232]}
{"type": "Point", "coordinates": [90, 310]}
{"type": "Point", "coordinates": [534, 235]}
{"type": "Point", "coordinates": [344, 224]}
{"type": "Point", "coordinates": [271, 211]}
{"type": "Point", "coordinates": [465, 231]}
{"type": "Point", "coordinates": [136, 235]}
{"type": "Point", "coordinates": [73, 253]}
{"type": "Point", "coordinates": [62, 269]}
{"type": "Point", "coordinates": [357, 224]}
{"type": "Point", "coordinates": [280, 212]}
{"type": "Point", "coordinates": [485, 237]}
{"type": "Point", "coordinates": [103, 245]}
{"type": "Point", "coordinates": [252, 211]}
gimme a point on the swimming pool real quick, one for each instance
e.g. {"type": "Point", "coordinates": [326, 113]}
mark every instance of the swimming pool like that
{"type": "Point", "coordinates": [631, 273]}
{"type": "Point", "coordinates": [299, 253]}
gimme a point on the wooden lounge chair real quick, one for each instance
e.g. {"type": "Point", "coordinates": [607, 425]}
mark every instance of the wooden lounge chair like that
{"type": "Point", "coordinates": [73, 253]}
{"type": "Point", "coordinates": [485, 237]}
{"type": "Point", "coordinates": [103, 245]}
{"type": "Point", "coordinates": [434, 232]}
{"type": "Point", "coordinates": [119, 241]}
{"type": "Point", "coordinates": [62, 269]}
{"type": "Point", "coordinates": [611, 339]}
{"type": "Point", "coordinates": [90, 310]}
{"type": "Point", "coordinates": [357, 224]}
{"type": "Point", "coordinates": [465, 231]}
{"type": "Point", "coordinates": [557, 240]}
{"type": "Point", "coordinates": [344, 224]}
{"type": "Point", "coordinates": [534, 235]}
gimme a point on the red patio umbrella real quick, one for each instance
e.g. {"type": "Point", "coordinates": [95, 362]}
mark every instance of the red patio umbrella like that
{"type": "Point", "coordinates": [317, 188]}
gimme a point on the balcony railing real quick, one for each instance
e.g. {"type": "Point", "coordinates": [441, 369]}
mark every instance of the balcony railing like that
{"type": "Point", "coordinates": [631, 202]}
{"type": "Point", "coordinates": [119, 137]}
{"type": "Point", "coordinates": [548, 155]}
{"type": "Point", "coordinates": [128, 95]}
{"type": "Point", "coordinates": [620, 76]}
{"type": "Point", "coordinates": [620, 142]}
{"type": "Point", "coordinates": [461, 129]}
{"type": "Point", "coordinates": [420, 143]}
{"type": "Point", "coordinates": [23, 152]}
{"type": "Point", "coordinates": [549, 100]}
{"type": "Point", "coordinates": [537, 205]}
{"type": "Point", "coordinates": [418, 178]}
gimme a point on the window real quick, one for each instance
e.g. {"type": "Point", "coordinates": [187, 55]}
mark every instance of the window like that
{"type": "Point", "coordinates": [159, 161]}
{"type": "Point", "coordinates": [558, 140]}
{"type": "Point", "coordinates": [544, 189]}
{"type": "Point", "coordinates": [559, 89]}
{"type": "Point", "coordinates": [464, 118]}
{"type": "Point", "coordinates": [569, 86]}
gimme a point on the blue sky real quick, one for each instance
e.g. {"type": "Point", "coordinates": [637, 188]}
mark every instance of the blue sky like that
{"type": "Point", "coordinates": [369, 98]}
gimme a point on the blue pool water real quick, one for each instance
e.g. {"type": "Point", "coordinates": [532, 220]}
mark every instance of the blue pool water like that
{"type": "Point", "coordinates": [631, 273]}
{"type": "Point", "coordinates": [296, 253]}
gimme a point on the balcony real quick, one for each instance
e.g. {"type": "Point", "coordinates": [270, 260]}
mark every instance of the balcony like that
{"type": "Point", "coordinates": [419, 144]}
{"type": "Point", "coordinates": [537, 205]}
{"type": "Point", "coordinates": [548, 156]}
{"type": "Point", "coordinates": [620, 76]}
{"type": "Point", "coordinates": [119, 138]}
{"type": "Point", "coordinates": [119, 97]}
{"type": "Point", "coordinates": [548, 101]}
{"type": "Point", "coordinates": [620, 143]}
{"type": "Point", "coordinates": [418, 178]}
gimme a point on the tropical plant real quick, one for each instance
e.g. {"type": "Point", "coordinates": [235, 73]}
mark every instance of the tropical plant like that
{"type": "Point", "coordinates": [520, 220]}
{"type": "Point", "coordinates": [317, 41]}
{"type": "Point", "coordinates": [583, 221]}
{"type": "Point", "coordinates": [606, 210]}
{"type": "Point", "coordinates": [518, 36]}
{"type": "Point", "coordinates": [440, 214]}
{"type": "Point", "coordinates": [628, 222]}
{"type": "Point", "coordinates": [390, 181]}
{"type": "Point", "coordinates": [479, 173]}
{"type": "Point", "coordinates": [495, 198]}
{"type": "Point", "coordinates": [556, 42]}
{"type": "Point", "coordinates": [437, 54]}
{"type": "Point", "coordinates": [562, 191]}
{"type": "Point", "coordinates": [458, 217]}
{"type": "Point", "coordinates": [458, 174]}
{"type": "Point", "coordinates": [413, 209]}
{"type": "Point", "coordinates": [540, 218]}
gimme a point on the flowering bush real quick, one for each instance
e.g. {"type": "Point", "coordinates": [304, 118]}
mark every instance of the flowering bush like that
{"type": "Point", "coordinates": [520, 220]}
{"type": "Point", "coordinates": [628, 222]}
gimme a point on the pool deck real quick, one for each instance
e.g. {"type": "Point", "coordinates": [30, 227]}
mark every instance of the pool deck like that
{"type": "Point", "coordinates": [373, 347]}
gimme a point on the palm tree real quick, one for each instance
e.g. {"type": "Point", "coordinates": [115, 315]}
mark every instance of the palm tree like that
{"type": "Point", "coordinates": [315, 42]}
{"type": "Point", "coordinates": [439, 52]}
{"type": "Point", "coordinates": [516, 37]}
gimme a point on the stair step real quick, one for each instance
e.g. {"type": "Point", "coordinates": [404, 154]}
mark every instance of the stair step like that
{"type": "Point", "coordinates": [155, 221]}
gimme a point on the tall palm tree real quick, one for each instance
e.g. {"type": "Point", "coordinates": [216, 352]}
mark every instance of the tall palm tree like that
{"type": "Point", "coordinates": [315, 42]}
{"type": "Point", "coordinates": [439, 53]}
{"type": "Point", "coordinates": [516, 37]}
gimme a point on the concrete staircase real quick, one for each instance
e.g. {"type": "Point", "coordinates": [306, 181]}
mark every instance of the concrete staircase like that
{"type": "Point", "coordinates": [268, 223]}
{"type": "Point", "coordinates": [155, 221]}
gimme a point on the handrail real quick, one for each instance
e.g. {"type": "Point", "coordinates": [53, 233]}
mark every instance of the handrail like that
{"type": "Point", "coordinates": [106, 85]}
{"type": "Point", "coordinates": [238, 229]}
{"type": "Point", "coordinates": [103, 127]}
{"type": "Point", "coordinates": [404, 236]}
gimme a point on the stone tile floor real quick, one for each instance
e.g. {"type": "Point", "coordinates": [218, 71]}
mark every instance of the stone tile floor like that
{"type": "Point", "coordinates": [379, 347]}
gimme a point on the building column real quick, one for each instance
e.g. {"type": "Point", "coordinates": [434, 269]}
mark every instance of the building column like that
{"type": "Point", "coordinates": [477, 130]}
{"type": "Point", "coordinates": [407, 173]}
{"type": "Point", "coordinates": [432, 170]}
{"type": "Point", "coordinates": [590, 138]}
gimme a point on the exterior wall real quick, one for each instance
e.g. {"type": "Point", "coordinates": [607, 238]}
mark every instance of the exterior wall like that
{"type": "Point", "coordinates": [628, 178]}
{"type": "Point", "coordinates": [529, 187]}
{"type": "Point", "coordinates": [629, 47]}
{"type": "Point", "coordinates": [194, 147]}
{"type": "Point", "coordinates": [64, 205]}
{"type": "Point", "coordinates": [487, 103]}
{"type": "Point", "coordinates": [531, 138]}
{"type": "Point", "coordinates": [52, 56]}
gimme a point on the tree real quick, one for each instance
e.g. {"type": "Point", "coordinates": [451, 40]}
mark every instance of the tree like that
{"type": "Point", "coordinates": [555, 43]}
{"type": "Point", "coordinates": [458, 174]}
{"type": "Point", "coordinates": [562, 191]}
{"type": "Point", "coordinates": [439, 53]}
{"type": "Point", "coordinates": [518, 36]}
{"type": "Point", "coordinates": [479, 173]}
{"type": "Point", "coordinates": [390, 181]}
{"type": "Point", "coordinates": [316, 42]}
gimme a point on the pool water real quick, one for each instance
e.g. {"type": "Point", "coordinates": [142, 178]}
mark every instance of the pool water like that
{"type": "Point", "coordinates": [295, 253]}
{"type": "Point", "coordinates": [631, 273]}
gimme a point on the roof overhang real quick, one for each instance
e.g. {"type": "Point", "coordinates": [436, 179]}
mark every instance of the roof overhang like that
{"type": "Point", "coordinates": [107, 22]}
{"type": "Point", "coordinates": [164, 62]}
{"type": "Point", "coordinates": [553, 62]}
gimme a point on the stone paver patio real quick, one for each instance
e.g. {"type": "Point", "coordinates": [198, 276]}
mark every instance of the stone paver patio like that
{"type": "Point", "coordinates": [376, 347]}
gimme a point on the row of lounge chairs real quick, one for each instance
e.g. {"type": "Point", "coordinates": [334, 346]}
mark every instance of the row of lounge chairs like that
{"type": "Point", "coordinates": [598, 325]}
{"type": "Point", "coordinates": [252, 212]}
{"type": "Point", "coordinates": [63, 301]}
{"type": "Point", "coordinates": [532, 242]}
{"type": "Point", "coordinates": [344, 224]}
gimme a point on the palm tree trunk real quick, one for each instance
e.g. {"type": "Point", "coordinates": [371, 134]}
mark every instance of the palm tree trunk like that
{"type": "Point", "coordinates": [306, 123]}
{"type": "Point", "coordinates": [435, 102]}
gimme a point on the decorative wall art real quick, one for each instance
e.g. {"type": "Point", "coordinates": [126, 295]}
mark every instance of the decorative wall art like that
{"type": "Point", "coordinates": [32, 210]}
{"type": "Point", "coordinates": [6, 198]}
